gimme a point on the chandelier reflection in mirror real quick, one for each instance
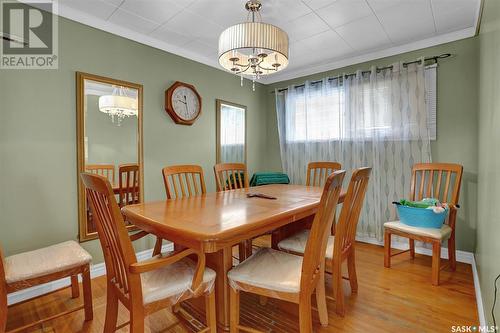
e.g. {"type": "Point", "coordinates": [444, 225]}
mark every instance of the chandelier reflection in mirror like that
{"type": "Point", "coordinates": [118, 105]}
{"type": "Point", "coordinates": [253, 49]}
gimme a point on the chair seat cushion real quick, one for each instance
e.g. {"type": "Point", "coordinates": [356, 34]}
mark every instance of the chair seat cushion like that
{"type": "Point", "coordinates": [45, 261]}
{"type": "Point", "coordinates": [269, 269]}
{"type": "Point", "coordinates": [173, 281]}
{"type": "Point", "coordinates": [443, 233]}
{"type": "Point", "coordinates": [297, 243]}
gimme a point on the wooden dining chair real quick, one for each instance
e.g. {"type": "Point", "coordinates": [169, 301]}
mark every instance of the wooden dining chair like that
{"type": "Point", "coordinates": [285, 276]}
{"type": "Point", "coordinates": [181, 181]}
{"type": "Point", "coordinates": [128, 184]}
{"type": "Point", "coordinates": [41, 266]}
{"type": "Point", "coordinates": [430, 180]}
{"type": "Point", "coordinates": [318, 172]}
{"type": "Point", "coordinates": [232, 176]}
{"type": "Point", "coordinates": [340, 247]}
{"type": "Point", "coordinates": [147, 286]}
{"type": "Point", "coordinates": [105, 170]}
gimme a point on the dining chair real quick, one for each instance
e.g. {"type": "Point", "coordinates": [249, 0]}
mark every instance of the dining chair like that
{"type": "Point", "coordinates": [41, 266]}
{"type": "Point", "coordinates": [105, 170]}
{"type": "Point", "coordinates": [232, 176]}
{"type": "Point", "coordinates": [181, 181]}
{"type": "Point", "coordinates": [318, 172]}
{"type": "Point", "coordinates": [128, 184]}
{"type": "Point", "coordinates": [427, 182]}
{"type": "Point", "coordinates": [341, 246]}
{"type": "Point", "coordinates": [147, 286]}
{"type": "Point", "coordinates": [288, 277]}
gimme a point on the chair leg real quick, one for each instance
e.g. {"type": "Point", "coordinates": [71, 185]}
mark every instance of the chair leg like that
{"type": "Point", "coordinates": [111, 310]}
{"type": "Point", "coordinates": [234, 310]}
{"type": "Point", "coordinates": [321, 300]}
{"type": "Point", "coordinates": [137, 319]}
{"type": "Point", "coordinates": [305, 317]}
{"type": "Point", "coordinates": [436, 260]}
{"type": "Point", "coordinates": [387, 248]}
{"type": "Point", "coordinates": [157, 248]}
{"type": "Point", "coordinates": [338, 292]}
{"type": "Point", "coordinates": [412, 248]}
{"type": "Point", "coordinates": [452, 256]}
{"type": "Point", "coordinates": [87, 295]}
{"type": "Point", "coordinates": [75, 288]}
{"type": "Point", "coordinates": [351, 270]}
{"type": "Point", "coordinates": [242, 251]}
{"type": "Point", "coordinates": [248, 248]}
{"type": "Point", "coordinates": [210, 311]}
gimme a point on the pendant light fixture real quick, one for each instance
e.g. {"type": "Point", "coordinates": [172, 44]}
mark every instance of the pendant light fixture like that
{"type": "Point", "coordinates": [253, 49]}
{"type": "Point", "coordinates": [118, 105]}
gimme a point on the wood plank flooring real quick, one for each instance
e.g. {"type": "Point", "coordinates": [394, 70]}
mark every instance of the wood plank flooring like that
{"type": "Point", "coordinates": [399, 299]}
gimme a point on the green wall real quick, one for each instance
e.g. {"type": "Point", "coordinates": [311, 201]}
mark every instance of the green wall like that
{"type": "Point", "coordinates": [488, 245]}
{"type": "Point", "coordinates": [456, 120]}
{"type": "Point", "coordinates": [38, 182]}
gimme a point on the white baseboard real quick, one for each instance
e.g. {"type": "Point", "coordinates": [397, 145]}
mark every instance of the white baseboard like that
{"type": "Point", "coordinates": [95, 271]}
{"type": "Point", "coordinates": [479, 297]}
{"type": "Point", "coordinates": [462, 256]}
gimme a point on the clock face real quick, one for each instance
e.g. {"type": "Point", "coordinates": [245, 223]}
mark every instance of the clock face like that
{"type": "Point", "coordinates": [185, 103]}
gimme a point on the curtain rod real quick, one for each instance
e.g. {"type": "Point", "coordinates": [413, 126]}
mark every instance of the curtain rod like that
{"type": "Point", "coordinates": [433, 58]}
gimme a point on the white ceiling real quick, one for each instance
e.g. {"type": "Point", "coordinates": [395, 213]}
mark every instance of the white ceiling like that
{"type": "Point", "coordinates": [324, 34]}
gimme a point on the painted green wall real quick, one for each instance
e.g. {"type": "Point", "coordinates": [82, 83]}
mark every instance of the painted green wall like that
{"type": "Point", "coordinates": [488, 245]}
{"type": "Point", "coordinates": [457, 119]}
{"type": "Point", "coordinates": [38, 182]}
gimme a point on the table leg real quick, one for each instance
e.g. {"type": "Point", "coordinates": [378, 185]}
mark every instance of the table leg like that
{"type": "Point", "coordinates": [221, 263]}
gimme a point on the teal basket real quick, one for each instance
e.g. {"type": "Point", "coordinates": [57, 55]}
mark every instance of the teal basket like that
{"type": "Point", "coordinates": [421, 217]}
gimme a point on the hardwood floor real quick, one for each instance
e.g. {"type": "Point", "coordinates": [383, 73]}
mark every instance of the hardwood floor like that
{"type": "Point", "coordinates": [399, 299]}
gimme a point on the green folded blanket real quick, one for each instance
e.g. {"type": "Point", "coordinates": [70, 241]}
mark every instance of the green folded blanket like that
{"type": "Point", "coordinates": [266, 178]}
{"type": "Point", "coordinates": [426, 203]}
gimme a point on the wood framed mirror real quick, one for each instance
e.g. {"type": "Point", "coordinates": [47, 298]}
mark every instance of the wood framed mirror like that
{"type": "Point", "coordinates": [231, 133]}
{"type": "Point", "coordinates": [109, 141]}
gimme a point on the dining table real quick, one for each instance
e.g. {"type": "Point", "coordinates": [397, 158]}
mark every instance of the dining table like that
{"type": "Point", "coordinates": [214, 222]}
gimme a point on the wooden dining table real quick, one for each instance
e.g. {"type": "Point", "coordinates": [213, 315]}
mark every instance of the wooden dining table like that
{"type": "Point", "coordinates": [215, 222]}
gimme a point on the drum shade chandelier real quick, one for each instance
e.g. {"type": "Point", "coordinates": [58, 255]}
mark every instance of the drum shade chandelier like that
{"type": "Point", "coordinates": [118, 105]}
{"type": "Point", "coordinates": [253, 49]}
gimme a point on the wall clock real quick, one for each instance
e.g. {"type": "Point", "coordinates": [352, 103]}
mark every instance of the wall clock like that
{"type": "Point", "coordinates": [183, 103]}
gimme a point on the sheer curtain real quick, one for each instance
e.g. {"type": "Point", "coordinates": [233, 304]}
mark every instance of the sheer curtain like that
{"type": "Point", "coordinates": [376, 119]}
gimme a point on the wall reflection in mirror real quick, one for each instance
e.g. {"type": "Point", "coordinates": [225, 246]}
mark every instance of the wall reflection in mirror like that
{"type": "Point", "coordinates": [109, 140]}
{"type": "Point", "coordinates": [231, 132]}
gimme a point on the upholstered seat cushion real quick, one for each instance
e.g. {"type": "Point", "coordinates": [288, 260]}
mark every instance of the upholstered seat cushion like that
{"type": "Point", "coordinates": [268, 269]}
{"type": "Point", "coordinates": [443, 233]}
{"type": "Point", "coordinates": [297, 243]}
{"type": "Point", "coordinates": [45, 261]}
{"type": "Point", "coordinates": [173, 281]}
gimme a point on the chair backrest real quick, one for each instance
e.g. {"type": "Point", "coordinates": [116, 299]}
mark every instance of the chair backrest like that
{"type": "Point", "coordinates": [105, 170]}
{"type": "Point", "coordinates": [115, 242]}
{"type": "Point", "coordinates": [230, 176]}
{"type": "Point", "coordinates": [436, 180]}
{"type": "Point", "coordinates": [314, 254]}
{"type": "Point", "coordinates": [3, 295]}
{"type": "Point", "coordinates": [183, 181]}
{"type": "Point", "coordinates": [318, 172]}
{"type": "Point", "coordinates": [128, 184]}
{"type": "Point", "coordinates": [345, 230]}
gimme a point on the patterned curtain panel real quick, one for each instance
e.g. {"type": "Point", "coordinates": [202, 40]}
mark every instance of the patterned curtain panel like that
{"type": "Point", "coordinates": [376, 119]}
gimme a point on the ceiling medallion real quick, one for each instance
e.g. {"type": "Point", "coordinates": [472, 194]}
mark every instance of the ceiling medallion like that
{"type": "Point", "coordinates": [253, 49]}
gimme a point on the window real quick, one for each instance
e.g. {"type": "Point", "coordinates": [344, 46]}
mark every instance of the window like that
{"type": "Point", "coordinates": [318, 113]}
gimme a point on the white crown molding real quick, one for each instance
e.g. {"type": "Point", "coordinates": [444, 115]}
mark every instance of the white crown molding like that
{"type": "Point", "coordinates": [100, 24]}
{"type": "Point", "coordinates": [332, 65]}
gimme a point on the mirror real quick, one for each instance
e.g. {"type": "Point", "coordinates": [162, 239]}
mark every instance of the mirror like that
{"type": "Point", "coordinates": [231, 132]}
{"type": "Point", "coordinates": [109, 141]}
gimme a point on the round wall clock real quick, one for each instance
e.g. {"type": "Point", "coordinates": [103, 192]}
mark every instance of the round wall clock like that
{"type": "Point", "coordinates": [183, 103]}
